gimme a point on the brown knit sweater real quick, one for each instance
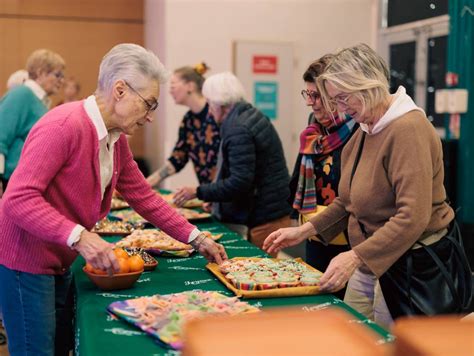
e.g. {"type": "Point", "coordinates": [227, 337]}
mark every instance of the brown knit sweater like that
{"type": "Point", "coordinates": [397, 192]}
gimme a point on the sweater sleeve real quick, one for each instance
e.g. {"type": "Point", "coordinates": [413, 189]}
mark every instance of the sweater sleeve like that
{"type": "Point", "coordinates": [331, 221]}
{"type": "Point", "coordinates": [12, 115]}
{"type": "Point", "coordinates": [411, 176]}
{"type": "Point", "coordinates": [146, 202]}
{"type": "Point", "coordinates": [44, 155]}
{"type": "Point", "coordinates": [241, 161]}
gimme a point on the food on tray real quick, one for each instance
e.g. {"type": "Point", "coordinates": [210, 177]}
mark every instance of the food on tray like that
{"type": "Point", "coordinates": [193, 203]}
{"type": "Point", "coordinates": [190, 214]}
{"type": "Point", "coordinates": [129, 216]}
{"type": "Point", "coordinates": [110, 227]}
{"type": "Point", "coordinates": [132, 251]}
{"type": "Point", "coordinates": [118, 203]}
{"type": "Point", "coordinates": [163, 316]}
{"type": "Point", "coordinates": [267, 273]}
{"type": "Point", "coordinates": [152, 239]}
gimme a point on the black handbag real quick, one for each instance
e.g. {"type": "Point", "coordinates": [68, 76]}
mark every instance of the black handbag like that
{"type": "Point", "coordinates": [429, 280]}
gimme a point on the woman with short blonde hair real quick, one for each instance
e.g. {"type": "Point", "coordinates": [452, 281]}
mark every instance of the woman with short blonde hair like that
{"type": "Point", "coordinates": [23, 105]}
{"type": "Point", "coordinates": [391, 192]}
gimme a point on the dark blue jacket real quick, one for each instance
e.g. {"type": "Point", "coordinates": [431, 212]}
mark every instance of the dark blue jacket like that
{"type": "Point", "coordinates": [252, 184]}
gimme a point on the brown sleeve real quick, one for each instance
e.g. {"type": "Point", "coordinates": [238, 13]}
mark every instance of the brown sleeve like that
{"type": "Point", "coordinates": [330, 222]}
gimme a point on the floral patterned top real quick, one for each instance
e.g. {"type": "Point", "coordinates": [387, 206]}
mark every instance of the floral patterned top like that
{"type": "Point", "coordinates": [198, 140]}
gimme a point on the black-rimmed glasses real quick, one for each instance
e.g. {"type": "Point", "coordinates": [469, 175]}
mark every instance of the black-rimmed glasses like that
{"type": "Point", "coordinates": [313, 95]}
{"type": "Point", "coordinates": [149, 107]}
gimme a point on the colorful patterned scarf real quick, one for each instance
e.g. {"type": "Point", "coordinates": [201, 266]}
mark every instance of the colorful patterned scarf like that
{"type": "Point", "coordinates": [317, 142]}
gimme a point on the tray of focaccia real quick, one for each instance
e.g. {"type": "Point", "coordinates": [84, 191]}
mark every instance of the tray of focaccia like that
{"type": "Point", "coordinates": [252, 277]}
{"type": "Point", "coordinates": [158, 242]}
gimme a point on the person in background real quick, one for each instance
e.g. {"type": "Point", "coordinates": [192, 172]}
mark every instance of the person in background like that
{"type": "Point", "coordinates": [22, 106]}
{"type": "Point", "coordinates": [72, 161]}
{"type": "Point", "coordinates": [318, 166]}
{"type": "Point", "coordinates": [71, 90]}
{"type": "Point", "coordinates": [17, 78]}
{"type": "Point", "coordinates": [391, 191]}
{"type": "Point", "coordinates": [198, 136]}
{"type": "Point", "coordinates": [251, 187]}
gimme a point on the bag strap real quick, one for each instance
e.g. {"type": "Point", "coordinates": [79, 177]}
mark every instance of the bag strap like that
{"type": "Point", "coordinates": [354, 168]}
{"type": "Point", "coordinates": [444, 272]}
{"type": "Point", "coordinates": [357, 159]}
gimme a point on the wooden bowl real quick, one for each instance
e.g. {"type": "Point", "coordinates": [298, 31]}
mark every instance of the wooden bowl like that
{"type": "Point", "coordinates": [151, 266]}
{"type": "Point", "coordinates": [115, 282]}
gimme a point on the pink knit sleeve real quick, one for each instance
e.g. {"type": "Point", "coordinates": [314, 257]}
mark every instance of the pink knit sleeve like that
{"type": "Point", "coordinates": [43, 155]}
{"type": "Point", "coordinates": [138, 193]}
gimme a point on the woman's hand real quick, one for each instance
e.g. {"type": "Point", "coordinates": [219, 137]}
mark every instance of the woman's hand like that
{"type": "Point", "coordinates": [183, 195]}
{"type": "Point", "coordinates": [286, 237]}
{"type": "Point", "coordinates": [98, 252]}
{"type": "Point", "coordinates": [211, 250]}
{"type": "Point", "coordinates": [207, 207]}
{"type": "Point", "coordinates": [340, 269]}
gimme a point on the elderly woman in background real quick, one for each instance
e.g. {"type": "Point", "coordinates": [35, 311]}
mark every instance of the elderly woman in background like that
{"type": "Point", "coordinates": [318, 166]}
{"type": "Point", "coordinates": [251, 187]}
{"type": "Point", "coordinates": [391, 192]}
{"type": "Point", "coordinates": [17, 78]}
{"type": "Point", "coordinates": [22, 106]}
{"type": "Point", "coordinates": [198, 136]}
{"type": "Point", "coordinates": [73, 159]}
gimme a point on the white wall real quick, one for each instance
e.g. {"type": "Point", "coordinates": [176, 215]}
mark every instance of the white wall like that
{"type": "Point", "coordinates": [194, 30]}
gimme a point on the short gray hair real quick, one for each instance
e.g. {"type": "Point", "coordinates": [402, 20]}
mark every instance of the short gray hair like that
{"type": "Point", "coordinates": [132, 63]}
{"type": "Point", "coordinates": [223, 89]}
{"type": "Point", "coordinates": [360, 71]}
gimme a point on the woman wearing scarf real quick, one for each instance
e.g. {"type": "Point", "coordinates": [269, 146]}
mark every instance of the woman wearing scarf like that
{"type": "Point", "coordinates": [317, 170]}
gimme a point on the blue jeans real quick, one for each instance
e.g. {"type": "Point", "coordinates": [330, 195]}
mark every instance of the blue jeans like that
{"type": "Point", "coordinates": [33, 310]}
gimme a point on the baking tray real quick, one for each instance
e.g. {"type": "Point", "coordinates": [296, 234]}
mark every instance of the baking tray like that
{"type": "Point", "coordinates": [266, 293]}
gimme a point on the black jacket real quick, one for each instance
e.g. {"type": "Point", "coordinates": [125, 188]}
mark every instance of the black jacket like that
{"type": "Point", "coordinates": [252, 185]}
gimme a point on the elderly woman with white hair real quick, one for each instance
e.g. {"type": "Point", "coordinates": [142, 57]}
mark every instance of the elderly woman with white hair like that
{"type": "Point", "coordinates": [251, 187]}
{"type": "Point", "coordinates": [72, 161]}
{"type": "Point", "coordinates": [391, 196]}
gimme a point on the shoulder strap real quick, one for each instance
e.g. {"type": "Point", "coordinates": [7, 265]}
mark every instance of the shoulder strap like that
{"type": "Point", "coordinates": [357, 159]}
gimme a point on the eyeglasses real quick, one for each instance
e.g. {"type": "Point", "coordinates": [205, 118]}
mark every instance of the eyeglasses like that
{"type": "Point", "coordinates": [149, 107]}
{"type": "Point", "coordinates": [340, 100]}
{"type": "Point", "coordinates": [313, 95]}
{"type": "Point", "coordinates": [58, 75]}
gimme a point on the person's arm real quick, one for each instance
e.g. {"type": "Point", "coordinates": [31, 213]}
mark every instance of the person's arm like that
{"type": "Point", "coordinates": [45, 152]}
{"type": "Point", "coordinates": [12, 117]}
{"type": "Point", "coordinates": [160, 174]}
{"type": "Point", "coordinates": [180, 155]}
{"type": "Point", "coordinates": [241, 160]}
{"type": "Point", "coordinates": [331, 221]}
{"type": "Point", "coordinates": [134, 188]}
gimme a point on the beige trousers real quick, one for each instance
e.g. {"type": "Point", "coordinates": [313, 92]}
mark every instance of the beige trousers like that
{"type": "Point", "coordinates": [365, 295]}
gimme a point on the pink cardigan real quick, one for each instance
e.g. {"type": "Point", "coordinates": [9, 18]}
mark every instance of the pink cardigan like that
{"type": "Point", "coordinates": [57, 186]}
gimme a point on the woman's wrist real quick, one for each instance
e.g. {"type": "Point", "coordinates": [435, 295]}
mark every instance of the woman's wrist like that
{"type": "Point", "coordinates": [307, 230]}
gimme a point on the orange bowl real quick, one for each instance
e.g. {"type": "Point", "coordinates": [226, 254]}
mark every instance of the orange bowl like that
{"type": "Point", "coordinates": [117, 281]}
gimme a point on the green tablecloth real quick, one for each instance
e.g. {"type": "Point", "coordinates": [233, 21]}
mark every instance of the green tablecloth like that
{"type": "Point", "coordinates": [97, 333]}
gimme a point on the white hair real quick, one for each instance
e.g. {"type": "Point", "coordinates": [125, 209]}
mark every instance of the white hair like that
{"type": "Point", "coordinates": [223, 89]}
{"type": "Point", "coordinates": [132, 63]}
{"type": "Point", "coordinates": [17, 78]}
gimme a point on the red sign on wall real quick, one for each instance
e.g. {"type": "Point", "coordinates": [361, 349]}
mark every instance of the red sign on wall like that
{"type": "Point", "coordinates": [265, 64]}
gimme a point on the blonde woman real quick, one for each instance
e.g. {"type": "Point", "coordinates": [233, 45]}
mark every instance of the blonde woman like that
{"type": "Point", "coordinates": [23, 105]}
{"type": "Point", "coordinates": [391, 192]}
{"type": "Point", "coordinates": [198, 136]}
